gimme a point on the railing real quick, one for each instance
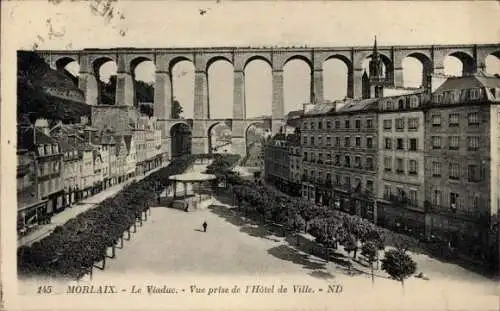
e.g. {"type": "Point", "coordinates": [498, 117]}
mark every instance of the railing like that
{"type": "Point", "coordinates": [449, 210]}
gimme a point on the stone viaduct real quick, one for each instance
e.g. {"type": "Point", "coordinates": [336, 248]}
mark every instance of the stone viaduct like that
{"type": "Point", "coordinates": [432, 58]}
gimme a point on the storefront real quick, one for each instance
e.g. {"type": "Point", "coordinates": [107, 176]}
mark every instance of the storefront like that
{"type": "Point", "coordinates": [55, 202]}
{"type": "Point", "coordinates": [364, 206]}
{"type": "Point", "coordinates": [399, 218]}
{"type": "Point", "coordinates": [342, 201]}
{"type": "Point", "coordinates": [30, 216]}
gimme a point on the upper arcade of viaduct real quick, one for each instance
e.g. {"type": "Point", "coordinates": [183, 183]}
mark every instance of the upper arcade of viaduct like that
{"type": "Point", "coordinates": [432, 57]}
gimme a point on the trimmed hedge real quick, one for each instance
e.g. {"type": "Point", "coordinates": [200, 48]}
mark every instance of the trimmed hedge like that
{"type": "Point", "coordinates": [73, 248]}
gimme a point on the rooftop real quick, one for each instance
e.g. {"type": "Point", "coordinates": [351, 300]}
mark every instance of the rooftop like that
{"type": "Point", "coordinates": [479, 80]}
{"type": "Point", "coordinates": [28, 137]}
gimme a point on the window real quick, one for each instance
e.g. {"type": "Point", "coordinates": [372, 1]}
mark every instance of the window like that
{"type": "Point", "coordinates": [475, 202]}
{"type": "Point", "coordinates": [369, 164]}
{"type": "Point", "coordinates": [358, 124]}
{"type": "Point", "coordinates": [400, 144]}
{"type": "Point", "coordinates": [320, 125]}
{"type": "Point", "coordinates": [369, 123]}
{"type": "Point", "coordinates": [454, 172]}
{"type": "Point", "coordinates": [412, 197]}
{"type": "Point", "coordinates": [387, 164]}
{"type": "Point", "coordinates": [454, 119]}
{"type": "Point", "coordinates": [347, 161]}
{"type": "Point", "coordinates": [357, 162]}
{"type": "Point", "coordinates": [436, 198]}
{"type": "Point", "coordinates": [436, 120]}
{"type": "Point", "coordinates": [400, 124]}
{"type": "Point", "coordinates": [369, 143]}
{"type": "Point", "coordinates": [475, 94]}
{"type": "Point", "coordinates": [328, 141]}
{"type": "Point", "coordinates": [473, 173]}
{"type": "Point", "coordinates": [337, 160]}
{"type": "Point", "coordinates": [473, 118]}
{"type": "Point", "coordinates": [337, 180]}
{"type": "Point", "coordinates": [387, 192]}
{"type": "Point", "coordinates": [453, 142]}
{"type": "Point", "coordinates": [388, 105]}
{"type": "Point", "coordinates": [473, 143]}
{"type": "Point", "coordinates": [413, 124]}
{"type": "Point", "coordinates": [347, 180]}
{"type": "Point", "coordinates": [413, 144]}
{"type": "Point", "coordinates": [412, 167]}
{"type": "Point", "coordinates": [347, 124]}
{"type": "Point", "coordinates": [414, 102]}
{"type": "Point", "coordinates": [305, 156]}
{"type": "Point", "coordinates": [312, 140]}
{"type": "Point", "coordinates": [400, 166]}
{"type": "Point", "coordinates": [388, 143]}
{"type": "Point", "coordinates": [328, 125]}
{"type": "Point", "coordinates": [312, 126]}
{"type": "Point", "coordinates": [369, 186]}
{"type": "Point", "coordinates": [337, 124]}
{"type": "Point", "coordinates": [337, 141]}
{"type": "Point", "coordinates": [320, 140]}
{"type": "Point", "coordinates": [436, 169]}
{"type": "Point", "coordinates": [401, 104]}
{"type": "Point", "coordinates": [305, 140]}
{"type": "Point", "coordinates": [387, 125]}
{"type": "Point", "coordinates": [358, 141]}
{"type": "Point", "coordinates": [347, 142]}
{"type": "Point", "coordinates": [454, 200]}
{"type": "Point", "coordinates": [436, 142]}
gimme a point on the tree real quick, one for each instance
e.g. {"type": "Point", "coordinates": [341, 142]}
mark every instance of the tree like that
{"type": "Point", "coordinates": [176, 109]}
{"type": "Point", "coordinates": [370, 251]}
{"type": "Point", "coordinates": [398, 264]}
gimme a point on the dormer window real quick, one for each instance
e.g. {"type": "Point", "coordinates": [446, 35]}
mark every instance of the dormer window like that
{"type": "Point", "coordinates": [389, 105]}
{"type": "Point", "coordinates": [475, 94]}
{"type": "Point", "coordinates": [414, 102]}
{"type": "Point", "coordinates": [40, 150]}
{"type": "Point", "coordinates": [401, 104]}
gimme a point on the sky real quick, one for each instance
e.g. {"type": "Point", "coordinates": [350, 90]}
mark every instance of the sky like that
{"type": "Point", "coordinates": [63, 24]}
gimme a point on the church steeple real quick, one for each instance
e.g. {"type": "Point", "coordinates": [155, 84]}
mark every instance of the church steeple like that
{"type": "Point", "coordinates": [375, 48]}
{"type": "Point", "coordinates": [376, 72]}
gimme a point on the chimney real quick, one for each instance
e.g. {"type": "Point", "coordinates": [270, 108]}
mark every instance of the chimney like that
{"type": "Point", "coordinates": [308, 107]}
{"type": "Point", "coordinates": [43, 125]}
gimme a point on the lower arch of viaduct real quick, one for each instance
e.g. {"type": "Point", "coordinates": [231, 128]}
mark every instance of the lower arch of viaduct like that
{"type": "Point", "coordinates": [201, 129]}
{"type": "Point", "coordinates": [432, 58]}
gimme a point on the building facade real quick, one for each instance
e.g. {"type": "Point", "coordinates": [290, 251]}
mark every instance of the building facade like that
{"type": "Point", "coordinates": [49, 164]}
{"type": "Point", "coordinates": [71, 170]}
{"type": "Point", "coordinates": [277, 162]}
{"type": "Point", "coordinates": [295, 157]}
{"type": "Point", "coordinates": [462, 161]}
{"type": "Point", "coordinates": [30, 206]}
{"type": "Point", "coordinates": [401, 180]}
{"type": "Point", "coordinates": [339, 143]}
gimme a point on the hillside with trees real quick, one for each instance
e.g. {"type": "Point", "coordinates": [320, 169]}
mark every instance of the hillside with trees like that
{"type": "Point", "coordinates": [33, 74]}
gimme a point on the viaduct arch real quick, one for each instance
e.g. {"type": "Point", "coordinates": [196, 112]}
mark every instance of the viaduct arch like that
{"type": "Point", "coordinates": [431, 56]}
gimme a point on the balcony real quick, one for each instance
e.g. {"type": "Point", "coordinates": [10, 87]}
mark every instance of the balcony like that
{"type": "Point", "coordinates": [452, 210]}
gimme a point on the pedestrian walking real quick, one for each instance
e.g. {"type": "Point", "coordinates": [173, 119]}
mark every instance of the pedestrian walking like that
{"type": "Point", "coordinates": [205, 226]}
